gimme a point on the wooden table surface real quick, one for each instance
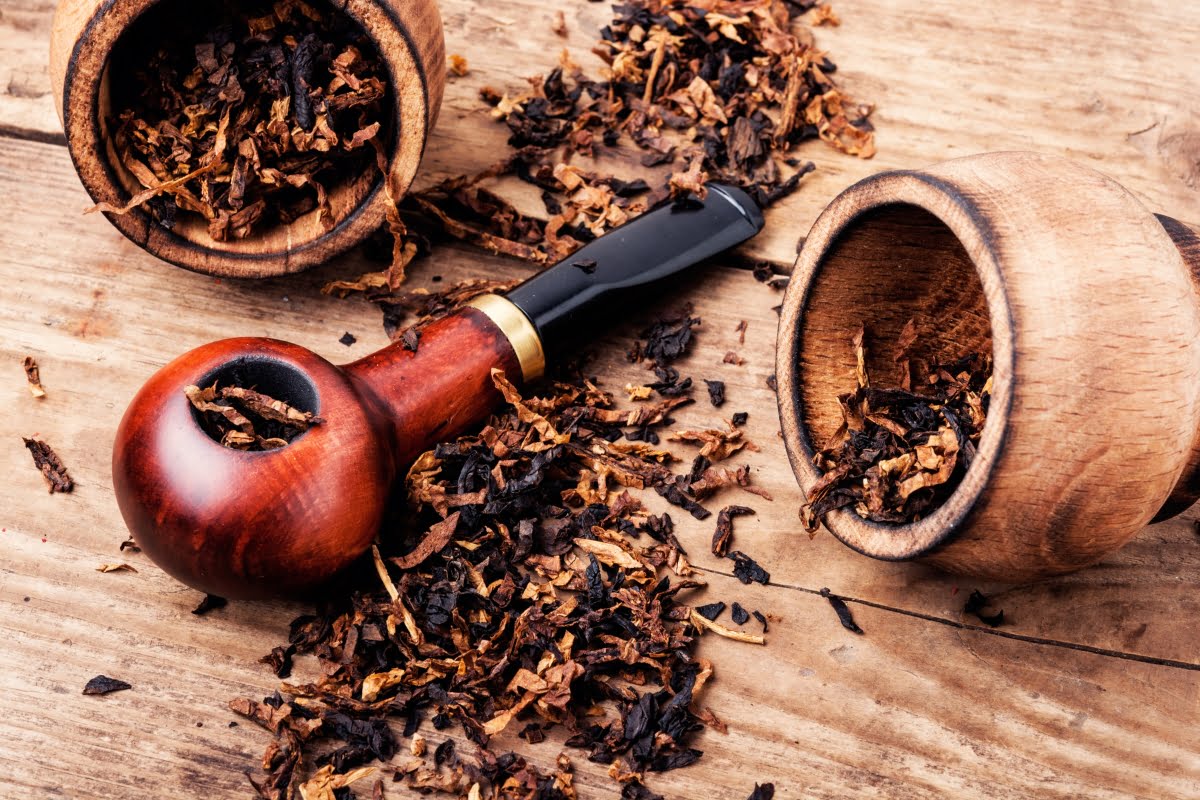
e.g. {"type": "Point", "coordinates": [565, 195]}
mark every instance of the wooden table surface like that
{"type": "Point", "coordinates": [1092, 688]}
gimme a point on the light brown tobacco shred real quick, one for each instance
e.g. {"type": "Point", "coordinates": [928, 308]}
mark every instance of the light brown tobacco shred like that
{"type": "Point", "coordinates": [33, 377]}
{"type": "Point", "coordinates": [244, 419]}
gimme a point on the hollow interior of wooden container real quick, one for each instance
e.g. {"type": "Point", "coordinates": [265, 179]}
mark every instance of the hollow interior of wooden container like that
{"type": "Point", "coordinates": [346, 194]}
{"type": "Point", "coordinates": [892, 264]}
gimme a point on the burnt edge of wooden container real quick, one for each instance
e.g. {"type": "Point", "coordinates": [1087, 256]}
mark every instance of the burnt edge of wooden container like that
{"type": "Point", "coordinates": [368, 214]}
{"type": "Point", "coordinates": [948, 204]}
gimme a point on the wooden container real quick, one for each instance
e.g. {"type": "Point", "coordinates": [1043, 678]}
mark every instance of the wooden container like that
{"type": "Point", "coordinates": [1086, 301]}
{"type": "Point", "coordinates": [408, 37]}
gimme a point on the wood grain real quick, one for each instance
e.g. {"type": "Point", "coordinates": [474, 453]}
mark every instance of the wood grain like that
{"type": "Point", "coordinates": [927, 703]}
{"type": "Point", "coordinates": [915, 708]}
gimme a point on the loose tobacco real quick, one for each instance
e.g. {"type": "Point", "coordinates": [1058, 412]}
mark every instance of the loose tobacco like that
{"type": "Point", "coordinates": [721, 90]}
{"type": "Point", "coordinates": [533, 591]}
{"type": "Point", "coordinates": [244, 419]}
{"type": "Point", "coordinates": [244, 114]}
{"type": "Point", "coordinates": [900, 452]}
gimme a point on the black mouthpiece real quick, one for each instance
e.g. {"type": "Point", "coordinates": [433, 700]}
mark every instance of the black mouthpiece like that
{"type": "Point", "coordinates": [619, 266]}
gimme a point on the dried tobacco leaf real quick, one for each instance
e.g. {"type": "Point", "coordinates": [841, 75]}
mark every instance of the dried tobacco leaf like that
{"type": "Point", "coordinates": [716, 445]}
{"type": "Point", "coordinates": [728, 633]}
{"type": "Point", "coordinates": [724, 533]}
{"type": "Point", "coordinates": [843, 611]}
{"type": "Point", "coordinates": [210, 603]}
{"type": "Point", "coordinates": [711, 611]}
{"type": "Point", "coordinates": [721, 91]}
{"type": "Point", "coordinates": [526, 602]}
{"type": "Point", "coordinates": [716, 392]}
{"type": "Point", "coordinates": [247, 419]}
{"type": "Point", "coordinates": [115, 568]}
{"type": "Point", "coordinates": [668, 338]}
{"type": "Point", "coordinates": [49, 464]}
{"type": "Point", "coordinates": [747, 570]}
{"type": "Point", "coordinates": [758, 615]}
{"type": "Point", "coordinates": [900, 452]}
{"type": "Point", "coordinates": [976, 603]}
{"type": "Point", "coordinates": [739, 615]}
{"type": "Point", "coordinates": [33, 377]}
{"type": "Point", "coordinates": [246, 114]}
{"type": "Point", "coordinates": [765, 791]}
{"type": "Point", "coordinates": [348, 339]}
{"type": "Point", "coordinates": [102, 684]}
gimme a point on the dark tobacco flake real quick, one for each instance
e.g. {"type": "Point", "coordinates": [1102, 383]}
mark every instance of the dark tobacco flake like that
{"type": "Point", "coordinates": [49, 464]}
{"type": "Point", "coordinates": [724, 533]}
{"type": "Point", "coordinates": [102, 684]}
{"type": "Point", "coordinates": [210, 603]}
{"type": "Point", "coordinates": [772, 384]}
{"type": "Point", "coordinates": [747, 570]}
{"type": "Point", "coordinates": [758, 615]}
{"type": "Point", "coordinates": [765, 791]}
{"type": "Point", "coordinates": [739, 615]}
{"type": "Point", "coordinates": [716, 392]}
{"type": "Point", "coordinates": [711, 611]}
{"type": "Point", "coordinates": [348, 338]}
{"type": "Point", "coordinates": [675, 496]}
{"type": "Point", "coordinates": [130, 545]}
{"type": "Point", "coordinates": [668, 339]}
{"type": "Point", "coordinates": [843, 611]}
{"type": "Point", "coordinates": [410, 339]}
{"type": "Point", "coordinates": [976, 603]}
{"type": "Point", "coordinates": [900, 452]}
{"type": "Point", "coordinates": [739, 418]}
{"type": "Point", "coordinates": [585, 265]}
{"type": "Point", "coordinates": [279, 659]}
{"type": "Point", "coordinates": [669, 384]}
{"type": "Point", "coordinates": [635, 790]}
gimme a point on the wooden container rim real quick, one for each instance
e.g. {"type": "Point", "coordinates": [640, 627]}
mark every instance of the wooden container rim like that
{"type": "Point", "coordinates": [83, 89]}
{"type": "Point", "coordinates": [962, 217]}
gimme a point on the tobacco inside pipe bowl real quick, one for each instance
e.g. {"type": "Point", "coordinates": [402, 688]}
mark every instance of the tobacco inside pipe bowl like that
{"type": "Point", "coordinates": [283, 521]}
{"type": "Point", "coordinates": [97, 51]}
{"type": "Point", "coordinates": [1086, 302]}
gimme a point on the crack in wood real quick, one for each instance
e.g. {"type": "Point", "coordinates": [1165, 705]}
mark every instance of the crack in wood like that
{"type": "Point", "coordinates": [966, 626]}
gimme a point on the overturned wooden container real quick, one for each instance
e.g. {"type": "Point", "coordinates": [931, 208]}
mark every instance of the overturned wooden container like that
{"type": "Point", "coordinates": [407, 35]}
{"type": "Point", "coordinates": [1087, 302]}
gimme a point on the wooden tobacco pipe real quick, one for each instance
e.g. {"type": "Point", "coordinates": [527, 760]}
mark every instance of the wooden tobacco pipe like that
{"type": "Point", "coordinates": [1088, 304]}
{"type": "Point", "coordinates": [277, 522]}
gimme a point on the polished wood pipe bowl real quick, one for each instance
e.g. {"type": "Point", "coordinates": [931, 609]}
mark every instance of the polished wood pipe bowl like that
{"type": "Point", "coordinates": [1087, 302]}
{"type": "Point", "coordinates": [408, 37]}
{"type": "Point", "coordinates": [278, 522]}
